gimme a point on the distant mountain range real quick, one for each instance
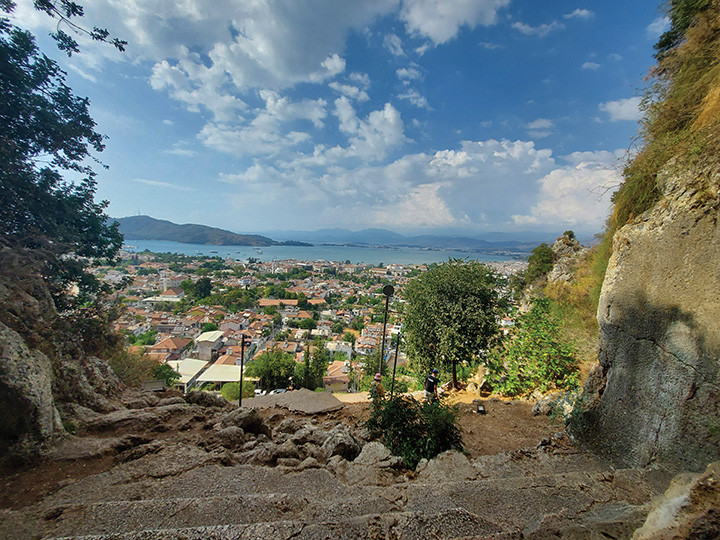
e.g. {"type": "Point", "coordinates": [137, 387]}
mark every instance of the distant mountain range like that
{"type": "Point", "coordinates": [147, 228]}
{"type": "Point", "coordinates": [383, 237]}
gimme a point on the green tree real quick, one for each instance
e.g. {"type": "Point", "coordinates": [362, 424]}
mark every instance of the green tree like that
{"type": "Point", "coordinates": [535, 357]}
{"type": "Point", "coordinates": [274, 368]}
{"type": "Point", "coordinates": [231, 391]}
{"type": "Point", "coordinates": [451, 315]}
{"type": "Point", "coordinates": [202, 288]}
{"type": "Point", "coordinates": [540, 262]}
{"type": "Point", "coordinates": [166, 373]}
{"type": "Point", "coordinates": [349, 337]}
{"type": "Point", "coordinates": [47, 132]}
{"type": "Point", "coordinates": [308, 324]}
{"type": "Point", "coordinates": [208, 327]}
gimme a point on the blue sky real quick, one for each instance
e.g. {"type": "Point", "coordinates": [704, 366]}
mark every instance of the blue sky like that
{"type": "Point", "coordinates": [462, 116]}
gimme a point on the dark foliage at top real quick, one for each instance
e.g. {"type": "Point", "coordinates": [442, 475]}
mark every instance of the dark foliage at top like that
{"type": "Point", "coordinates": [46, 138]}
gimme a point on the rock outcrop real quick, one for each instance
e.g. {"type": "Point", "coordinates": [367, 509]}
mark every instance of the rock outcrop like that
{"type": "Point", "coordinates": [48, 382]}
{"type": "Point", "coordinates": [567, 253]}
{"type": "Point", "coordinates": [655, 394]}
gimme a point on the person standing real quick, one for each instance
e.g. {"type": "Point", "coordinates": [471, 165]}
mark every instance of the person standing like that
{"type": "Point", "coordinates": [431, 384]}
{"type": "Point", "coordinates": [377, 392]}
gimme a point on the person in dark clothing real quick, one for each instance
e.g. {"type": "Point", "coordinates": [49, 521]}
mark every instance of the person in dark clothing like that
{"type": "Point", "coordinates": [431, 384]}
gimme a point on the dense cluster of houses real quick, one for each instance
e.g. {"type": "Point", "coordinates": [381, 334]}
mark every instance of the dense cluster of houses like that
{"type": "Point", "coordinates": [152, 288]}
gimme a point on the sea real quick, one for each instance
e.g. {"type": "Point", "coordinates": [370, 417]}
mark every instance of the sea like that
{"type": "Point", "coordinates": [321, 252]}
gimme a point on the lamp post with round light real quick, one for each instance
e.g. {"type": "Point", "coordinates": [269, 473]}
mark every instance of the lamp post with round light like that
{"type": "Point", "coordinates": [388, 291]}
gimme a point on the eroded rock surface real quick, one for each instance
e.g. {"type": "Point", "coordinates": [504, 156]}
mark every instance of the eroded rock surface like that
{"type": "Point", "coordinates": [656, 392]}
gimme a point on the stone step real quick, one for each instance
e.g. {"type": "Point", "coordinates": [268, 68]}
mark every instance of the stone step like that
{"type": "Point", "coordinates": [617, 522]}
{"type": "Point", "coordinates": [315, 496]}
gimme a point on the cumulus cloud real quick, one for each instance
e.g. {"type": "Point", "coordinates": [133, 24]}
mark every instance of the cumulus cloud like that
{"type": "Point", "coordinates": [540, 128]}
{"type": "Point", "coordinates": [590, 65]}
{"type": "Point", "coordinates": [441, 21]}
{"type": "Point", "coordinates": [393, 44]}
{"type": "Point", "coordinates": [414, 97]}
{"type": "Point", "coordinates": [370, 138]}
{"type": "Point", "coordinates": [622, 109]}
{"type": "Point", "coordinates": [408, 74]}
{"type": "Point", "coordinates": [580, 14]}
{"type": "Point", "coordinates": [576, 195]}
{"type": "Point", "coordinates": [353, 92]}
{"type": "Point", "coordinates": [540, 30]}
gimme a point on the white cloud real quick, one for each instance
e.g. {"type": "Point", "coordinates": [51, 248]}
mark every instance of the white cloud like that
{"type": "Point", "coordinates": [164, 185]}
{"type": "Point", "coordinates": [414, 97]}
{"type": "Point", "coordinates": [490, 46]}
{"type": "Point", "coordinates": [440, 21]}
{"type": "Point", "coordinates": [576, 195]}
{"type": "Point", "coordinates": [580, 14]}
{"type": "Point", "coordinates": [658, 27]}
{"type": "Point", "coordinates": [371, 138]}
{"type": "Point", "coordinates": [539, 31]}
{"type": "Point", "coordinates": [408, 74]}
{"type": "Point", "coordinates": [540, 123]}
{"type": "Point", "coordinates": [393, 44]}
{"type": "Point", "coordinates": [350, 91]}
{"type": "Point", "coordinates": [590, 65]}
{"type": "Point", "coordinates": [266, 133]}
{"type": "Point", "coordinates": [622, 109]}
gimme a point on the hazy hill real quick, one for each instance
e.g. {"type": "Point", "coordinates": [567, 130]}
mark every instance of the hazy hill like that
{"type": "Point", "coordinates": [147, 228]}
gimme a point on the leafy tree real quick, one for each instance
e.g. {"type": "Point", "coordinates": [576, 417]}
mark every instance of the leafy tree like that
{"type": "Point", "coordinates": [540, 262]}
{"type": "Point", "coordinates": [45, 132]}
{"type": "Point", "coordinates": [202, 288]}
{"type": "Point", "coordinates": [349, 337]}
{"type": "Point", "coordinates": [308, 324]}
{"type": "Point", "coordinates": [338, 327]}
{"type": "Point", "coordinates": [274, 368]}
{"type": "Point", "coordinates": [208, 327]}
{"type": "Point", "coordinates": [534, 358]}
{"type": "Point", "coordinates": [451, 315]}
{"type": "Point", "coordinates": [231, 391]}
{"type": "Point", "coordinates": [166, 373]}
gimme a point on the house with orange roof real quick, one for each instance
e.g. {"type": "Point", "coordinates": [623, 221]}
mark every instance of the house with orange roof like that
{"type": "Point", "coordinates": [337, 378]}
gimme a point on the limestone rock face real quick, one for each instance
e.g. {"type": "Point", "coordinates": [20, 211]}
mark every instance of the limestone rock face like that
{"type": "Point", "coordinates": [656, 391]}
{"type": "Point", "coordinates": [568, 252]}
{"type": "Point", "coordinates": [28, 415]}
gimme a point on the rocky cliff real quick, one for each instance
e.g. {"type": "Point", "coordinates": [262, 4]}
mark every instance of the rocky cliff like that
{"type": "Point", "coordinates": [655, 394]}
{"type": "Point", "coordinates": [48, 373]}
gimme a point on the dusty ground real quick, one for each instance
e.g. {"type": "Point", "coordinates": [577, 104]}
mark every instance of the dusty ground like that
{"type": "Point", "coordinates": [508, 425]}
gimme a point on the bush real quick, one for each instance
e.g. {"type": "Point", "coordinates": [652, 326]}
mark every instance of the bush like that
{"type": "Point", "coordinates": [230, 391]}
{"type": "Point", "coordinates": [132, 369]}
{"type": "Point", "coordinates": [535, 358]}
{"type": "Point", "coordinates": [415, 430]}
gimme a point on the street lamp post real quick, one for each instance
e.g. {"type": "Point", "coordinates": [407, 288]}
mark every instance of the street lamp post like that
{"type": "Point", "coordinates": [242, 366]}
{"type": "Point", "coordinates": [397, 349]}
{"type": "Point", "coordinates": [388, 291]}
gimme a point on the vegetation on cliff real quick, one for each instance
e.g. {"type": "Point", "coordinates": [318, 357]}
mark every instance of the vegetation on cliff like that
{"type": "Point", "coordinates": [682, 113]}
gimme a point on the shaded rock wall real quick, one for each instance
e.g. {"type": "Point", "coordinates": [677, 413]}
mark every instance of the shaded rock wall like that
{"type": "Point", "coordinates": [43, 366]}
{"type": "Point", "coordinates": [656, 391]}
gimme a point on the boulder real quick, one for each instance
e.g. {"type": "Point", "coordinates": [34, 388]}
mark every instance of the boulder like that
{"type": "Point", "coordinates": [690, 508]}
{"type": "Point", "coordinates": [205, 399]}
{"type": "Point", "coordinates": [174, 400]}
{"type": "Point", "coordinates": [376, 454]}
{"type": "Point", "coordinates": [340, 443]}
{"type": "Point", "coordinates": [27, 407]}
{"type": "Point", "coordinates": [247, 419]}
{"type": "Point", "coordinates": [310, 435]}
{"type": "Point", "coordinates": [450, 466]}
{"type": "Point", "coordinates": [232, 437]}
